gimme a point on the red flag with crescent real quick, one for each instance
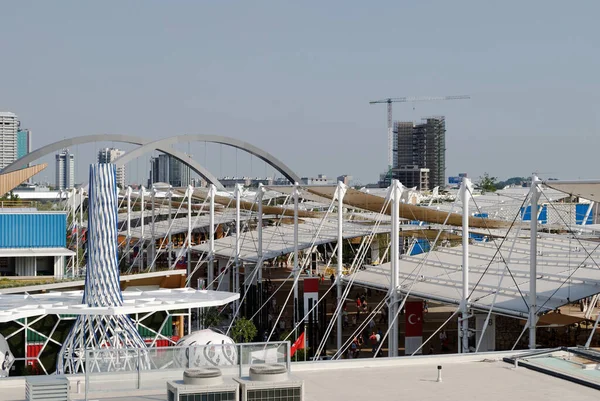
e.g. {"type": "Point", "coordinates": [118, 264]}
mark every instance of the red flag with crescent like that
{"type": "Point", "coordinates": [414, 319]}
{"type": "Point", "coordinates": [298, 344]}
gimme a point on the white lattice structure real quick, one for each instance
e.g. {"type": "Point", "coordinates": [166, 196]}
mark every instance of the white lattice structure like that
{"type": "Point", "coordinates": [102, 287]}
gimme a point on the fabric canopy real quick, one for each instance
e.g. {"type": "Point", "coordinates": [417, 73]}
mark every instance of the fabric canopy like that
{"type": "Point", "coordinates": [587, 189]}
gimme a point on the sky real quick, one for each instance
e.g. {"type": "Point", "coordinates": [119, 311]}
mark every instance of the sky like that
{"type": "Point", "coordinates": [295, 78]}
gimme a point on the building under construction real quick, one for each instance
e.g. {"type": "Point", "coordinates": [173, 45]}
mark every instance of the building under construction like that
{"type": "Point", "coordinates": [420, 153]}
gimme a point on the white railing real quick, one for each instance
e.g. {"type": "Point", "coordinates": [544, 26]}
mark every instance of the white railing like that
{"type": "Point", "coordinates": [126, 369]}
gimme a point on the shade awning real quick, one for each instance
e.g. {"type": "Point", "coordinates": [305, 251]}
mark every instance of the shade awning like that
{"type": "Point", "coordinates": [587, 189]}
{"type": "Point", "coordinates": [33, 252]}
{"type": "Point", "coordinates": [565, 273]}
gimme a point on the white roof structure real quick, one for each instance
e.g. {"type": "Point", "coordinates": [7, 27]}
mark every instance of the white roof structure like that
{"type": "Point", "coordinates": [30, 252]}
{"type": "Point", "coordinates": [565, 274]}
{"type": "Point", "coordinates": [502, 204]}
{"type": "Point", "coordinates": [158, 211]}
{"type": "Point", "coordinates": [41, 195]}
{"type": "Point", "coordinates": [70, 284]}
{"type": "Point", "coordinates": [19, 306]}
{"type": "Point", "coordinates": [587, 189]}
{"type": "Point", "coordinates": [279, 240]}
{"type": "Point", "coordinates": [180, 224]}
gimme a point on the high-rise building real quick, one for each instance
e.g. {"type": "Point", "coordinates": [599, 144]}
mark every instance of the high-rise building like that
{"type": "Point", "coordinates": [109, 155]}
{"type": "Point", "coordinates": [413, 177]}
{"type": "Point", "coordinates": [65, 170]}
{"type": "Point", "coordinates": [23, 143]}
{"type": "Point", "coordinates": [168, 169]}
{"type": "Point", "coordinates": [9, 126]}
{"type": "Point", "coordinates": [421, 146]}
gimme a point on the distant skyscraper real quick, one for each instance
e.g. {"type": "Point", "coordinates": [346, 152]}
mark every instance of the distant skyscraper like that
{"type": "Point", "coordinates": [109, 155]}
{"type": "Point", "coordinates": [23, 143]}
{"type": "Point", "coordinates": [9, 126]}
{"type": "Point", "coordinates": [168, 169]}
{"type": "Point", "coordinates": [65, 170]}
{"type": "Point", "coordinates": [422, 146]}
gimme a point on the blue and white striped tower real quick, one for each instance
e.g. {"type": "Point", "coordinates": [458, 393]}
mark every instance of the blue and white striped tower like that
{"type": "Point", "coordinates": [102, 288]}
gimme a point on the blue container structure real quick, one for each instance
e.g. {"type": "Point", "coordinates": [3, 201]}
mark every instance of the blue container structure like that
{"type": "Point", "coordinates": [33, 230]}
{"type": "Point", "coordinates": [421, 245]}
{"type": "Point", "coordinates": [542, 218]}
{"type": "Point", "coordinates": [580, 211]}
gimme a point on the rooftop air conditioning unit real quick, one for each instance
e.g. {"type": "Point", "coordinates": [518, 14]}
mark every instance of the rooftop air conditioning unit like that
{"type": "Point", "coordinates": [270, 383]}
{"type": "Point", "coordinates": [55, 387]}
{"type": "Point", "coordinates": [203, 384]}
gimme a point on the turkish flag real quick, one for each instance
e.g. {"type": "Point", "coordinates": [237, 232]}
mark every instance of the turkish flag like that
{"type": "Point", "coordinates": [298, 344]}
{"type": "Point", "coordinates": [414, 319]}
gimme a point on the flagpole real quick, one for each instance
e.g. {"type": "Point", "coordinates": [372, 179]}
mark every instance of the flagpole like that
{"type": "Point", "coordinates": [304, 342]}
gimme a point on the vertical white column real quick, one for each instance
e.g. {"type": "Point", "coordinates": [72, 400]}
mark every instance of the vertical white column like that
{"type": "Point", "coordinates": [296, 267]}
{"type": "Point", "coordinates": [73, 197]}
{"type": "Point", "coordinates": [152, 230]}
{"type": "Point", "coordinates": [395, 193]}
{"type": "Point", "coordinates": [80, 225]}
{"type": "Point", "coordinates": [238, 237]}
{"type": "Point", "coordinates": [340, 192]}
{"type": "Point", "coordinates": [533, 261]}
{"type": "Point", "coordinates": [142, 222]}
{"type": "Point", "coordinates": [169, 237]}
{"type": "Point", "coordinates": [211, 250]}
{"type": "Point", "coordinates": [465, 192]}
{"type": "Point", "coordinates": [128, 222]}
{"type": "Point", "coordinates": [189, 233]}
{"type": "Point", "coordinates": [259, 265]}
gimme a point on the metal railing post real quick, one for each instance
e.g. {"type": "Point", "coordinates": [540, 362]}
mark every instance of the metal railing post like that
{"type": "Point", "coordinates": [240, 360]}
{"type": "Point", "coordinates": [139, 373]}
{"type": "Point", "coordinates": [87, 372]}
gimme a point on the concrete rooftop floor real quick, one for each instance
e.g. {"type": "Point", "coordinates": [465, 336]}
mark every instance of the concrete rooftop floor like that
{"type": "Point", "coordinates": [468, 377]}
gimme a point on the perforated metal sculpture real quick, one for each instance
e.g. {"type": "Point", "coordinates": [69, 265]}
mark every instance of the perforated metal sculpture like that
{"type": "Point", "coordinates": [102, 289]}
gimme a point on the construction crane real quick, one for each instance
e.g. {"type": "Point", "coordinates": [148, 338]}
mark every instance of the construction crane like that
{"type": "Point", "coordinates": [389, 102]}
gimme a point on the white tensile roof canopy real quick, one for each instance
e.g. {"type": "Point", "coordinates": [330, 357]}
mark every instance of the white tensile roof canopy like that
{"type": "Point", "coordinates": [568, 268]}
{"type": "Point", "coordinates": [279, 240]}
{"type": "Point", "coordinates": [70, 302]}
{"type": "Point", "coordinates": [565, 274]}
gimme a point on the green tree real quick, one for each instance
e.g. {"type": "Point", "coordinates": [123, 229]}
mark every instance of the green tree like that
{"type": "Point", "coordinates": [243, 330]}
{"type": "Point", "coordinates": [210, 317]}
{"type": "Point", "coordinates": [487, 183]}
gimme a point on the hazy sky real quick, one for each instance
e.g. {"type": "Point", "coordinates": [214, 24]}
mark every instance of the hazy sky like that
{"type": "Point", "coordinates": [295, 78]}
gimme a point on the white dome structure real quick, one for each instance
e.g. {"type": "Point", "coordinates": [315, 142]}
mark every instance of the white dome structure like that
{"type": "Point", "coordinates": [205, 348]}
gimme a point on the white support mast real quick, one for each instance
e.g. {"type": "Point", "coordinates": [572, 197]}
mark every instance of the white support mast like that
{"type": "Point", "coordinates": [152, 230]}
{"type": "Point", "coordinates": [395, 194]}
{"type": "Point", "coordinates": [169, 237]}
{"type": "Point", "coordinates": [465, 194]}
{"type": "Point", "coordinates": [127, 246]}
{"type": "Point", "coordinates": [189, 234]}
{"type": "Point", "coordinates": [296, 194]}
{"type": "Point", "coordinates": [142, 240]}
{"type": "Point", "coordinates": [80, 226]}
{"type": "Point", "coordinates": [340, 192]}
{"type": "Point", "coordinates": [238, 237]}
{"type": "Point", "coordinates": [259, 264]}
{"type": "Point", "coordinates": [212, 190]}
{"type": "Point", "coordinates": [533, 261]}
{"type": "Point", "coordinates": [74, 224]}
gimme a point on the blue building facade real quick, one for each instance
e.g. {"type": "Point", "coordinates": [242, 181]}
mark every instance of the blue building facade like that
{"type": "Point", "coordinates": [33, 243]}
{"type": "Point", "coordinates": [33, 230]}
{"type": "Point", "coordinates": [23, 142]}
